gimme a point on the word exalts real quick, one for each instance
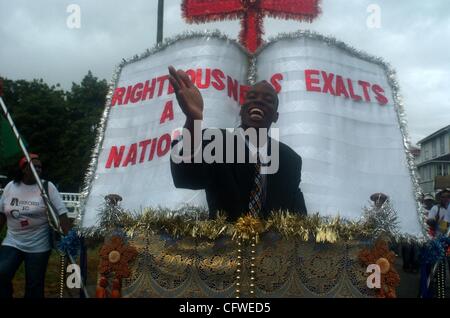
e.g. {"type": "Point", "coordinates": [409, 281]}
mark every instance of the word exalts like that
{"type": "Point", "coordinates": [336, 85]}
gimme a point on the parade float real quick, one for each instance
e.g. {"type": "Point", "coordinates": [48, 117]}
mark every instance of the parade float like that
{"type": "Point", "coordinates": [340, 109]}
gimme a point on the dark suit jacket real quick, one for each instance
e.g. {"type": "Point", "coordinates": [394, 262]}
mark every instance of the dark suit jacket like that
{"type": "Point", "coordinates": [228, 185]}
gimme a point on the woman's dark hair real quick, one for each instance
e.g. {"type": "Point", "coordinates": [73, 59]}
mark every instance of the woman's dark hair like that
{"type": "Point", "coordinates": [18, 175]}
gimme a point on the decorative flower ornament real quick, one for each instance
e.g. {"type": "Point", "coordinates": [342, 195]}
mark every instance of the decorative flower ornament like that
{"type": "Point", "coordinates": [115, 258]}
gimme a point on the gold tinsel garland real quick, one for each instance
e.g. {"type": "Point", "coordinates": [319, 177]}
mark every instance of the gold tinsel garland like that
{"type": "Point", "coordinates": [197, 225]}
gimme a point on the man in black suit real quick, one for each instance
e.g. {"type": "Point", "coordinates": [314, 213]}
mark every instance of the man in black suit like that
{"type": "Point", "coordinates": [238, 188]}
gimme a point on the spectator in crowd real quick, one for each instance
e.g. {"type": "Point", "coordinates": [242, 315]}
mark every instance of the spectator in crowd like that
{"type": "Point", "coordinates": [378, 199]}
{"type": "Point", "coordinates": [27, 240]}
{"type": "Point", "coordinates": [439, 215]}
{"type": "Point", "coordinates": [428, 202]}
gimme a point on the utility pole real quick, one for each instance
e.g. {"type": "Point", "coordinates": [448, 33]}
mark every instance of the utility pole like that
{"type": "Point", "coordinates": [159, 35]}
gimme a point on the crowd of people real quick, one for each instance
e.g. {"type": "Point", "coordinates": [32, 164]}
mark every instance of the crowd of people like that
{"type": "Point", "coordinates": [437, 211]}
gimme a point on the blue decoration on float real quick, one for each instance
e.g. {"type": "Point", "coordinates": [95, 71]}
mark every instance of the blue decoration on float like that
{"type": "Point", "coordinates": [435, 250]}
{"type": "Point", "coordinates": [70, 244]}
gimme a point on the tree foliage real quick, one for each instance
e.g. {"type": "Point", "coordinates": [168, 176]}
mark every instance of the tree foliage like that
{"type": "Point", "coordinates": [58, 125]}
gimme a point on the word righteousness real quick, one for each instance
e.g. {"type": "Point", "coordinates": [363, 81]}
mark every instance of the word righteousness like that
{"type": "Point", "coordinates": [202, 78]}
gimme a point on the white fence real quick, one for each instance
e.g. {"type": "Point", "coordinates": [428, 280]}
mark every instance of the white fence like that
{"type": "Point", "coordinates": [72, 201]}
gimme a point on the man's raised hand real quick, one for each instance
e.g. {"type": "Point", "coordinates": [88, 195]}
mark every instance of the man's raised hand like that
{"type": "Point", "coordinates": [188, 96]}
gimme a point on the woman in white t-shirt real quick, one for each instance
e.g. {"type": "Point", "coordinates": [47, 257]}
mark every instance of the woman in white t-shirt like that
{"type": "Point", "coordinates": [23, 210]}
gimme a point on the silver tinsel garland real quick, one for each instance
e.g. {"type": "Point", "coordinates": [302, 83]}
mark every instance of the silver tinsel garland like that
{"type": "Point", "coordinates": [383, 221]}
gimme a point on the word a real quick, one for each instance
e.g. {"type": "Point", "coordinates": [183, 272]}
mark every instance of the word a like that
{"type": "Point", "coordinates": [374, 19]}
{"type": "Point", "coordinates": [74, 19]}
{"type": "Point", "coordinates": [374, 279]}
{"type": "Point", "coordinates": [74, 278]}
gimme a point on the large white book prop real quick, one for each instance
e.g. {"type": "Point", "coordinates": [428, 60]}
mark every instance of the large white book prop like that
{"type": "Point", "coordinates": [339, 109]}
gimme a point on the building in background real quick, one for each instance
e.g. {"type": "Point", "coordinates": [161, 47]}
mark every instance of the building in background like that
{"type": "Point", "coordinates": [434, 160]}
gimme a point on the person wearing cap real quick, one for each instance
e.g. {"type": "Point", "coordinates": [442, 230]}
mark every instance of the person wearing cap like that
{"type": "Point", "coordinates": [378, 199]}
{"type": "Point", "coordinates": [428, 203]}
{"type": "Point", "coordinates": [27, 240]}
{"type": "Point", "coordinates": [439, 215]}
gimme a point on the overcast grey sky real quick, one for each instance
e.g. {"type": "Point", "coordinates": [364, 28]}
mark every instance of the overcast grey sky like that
{"type": "Point", "coordinates": [414, 38]}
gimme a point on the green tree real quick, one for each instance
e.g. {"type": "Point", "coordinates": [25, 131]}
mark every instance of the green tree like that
{"type": "Point", "coordinates": [38, 111]}
{"type": "Point", "coordinates": [59, 125]}
{"type": "Point", "coordinates": [85, 104]}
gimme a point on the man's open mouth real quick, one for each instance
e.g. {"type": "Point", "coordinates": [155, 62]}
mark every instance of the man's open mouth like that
{"type": "Point", "coordinates": [256, 114]}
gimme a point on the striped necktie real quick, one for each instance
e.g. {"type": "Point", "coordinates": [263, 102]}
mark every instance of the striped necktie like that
{"type": "Point", "coordinates": [255, 203]}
